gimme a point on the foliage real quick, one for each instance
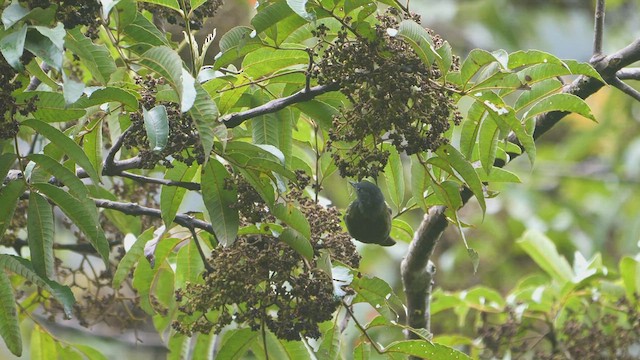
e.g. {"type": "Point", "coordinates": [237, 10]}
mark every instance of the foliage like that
{"type": "Point", "coordinates": [104, 121]}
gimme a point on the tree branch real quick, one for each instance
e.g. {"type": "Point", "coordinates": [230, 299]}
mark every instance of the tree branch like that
{"type": "Point", "coordinates": [416, 268]}
{"type": "Point", "coordinates": [598, 27]}
{"type": "Point", "coordinates": [235, 119]}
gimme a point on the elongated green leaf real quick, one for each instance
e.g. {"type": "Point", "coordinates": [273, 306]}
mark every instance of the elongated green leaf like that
{"type": "Point", "coordinates": [297, 241]}
{"type": "Point", "coordinates": [466, 170]}
{"type": "Point", "coordinates": [6, 161]}
{"type": "Point", "coordinates": [171, 4]}
{"type": "Point", "coordinates": [205, 115]}
{"type": "Point", "coordinates": [471, 128]}
{"type": "Point", "coordinates": [142, 34]}
{"type": "Point", "coordinates": [394, 175]}
{"type": "Point", "coordinates": [9, 326]}
{"type": "Point", "coordinates": [267, 61]}
{"type": "Point", "coordinates": [47, 44]}
{"type": "Point", "coordinates": [131, 258]}
{"type": "Point", "coordinates": [203, 349]}
{"type": "Point", "coordinates": [561, 102]}
{"type": "Point", "coordinates": [270, 15]}
{"type": "Point", "coordinates": [236, 342]}
{"type": "Point", "coordinates": [497, 175]}
{"type": "Point", "coordinates": [630, 274]}
{"type": "Point", "coordinates": [280, 349]}
{"type": "Point", "coordinates": [189, 265]}
{"type": "Point", "coordinates": [537, 91]}
{"type": "Point", "coordinates": [488, 143]}
{"type": "Point", "coordinates": [171, 196]}
{"type": "Point", "coordinates": [40, 232]}
{"type": "Point", "coordinates": [379, 295]}
{"type": "Point", "coordinates": [92, 146]}
{"type": "Point", "coordinates": [530, 57]}
{"type": "Point", "coordinates": [62, 174]}
{"type": "Point", "coordinates": [320, 112]}
{"type": "Point", "coordinates": [427, 350]}
{"type": "Point", "coordinates": [64, 143]}
{"type": "Point", "coordinates": [293, 217]}
{"type": "Point", "coordinates": [543, 251]}
{"type": "Point", "coordinates": [24, 268]}
{"type": "Point", "coordinates": [167, 63]}
{"type": "Point", "coordinates": [34, 69]}
{"type": "Point", "coordinates": [420, 40]}
{"type": "Point", "coordinates": [95, 57]}
{"type": "Point", "coordinates": [581, 68]}
{"type": "Point", "coordinates": [178, 346]}
{"type": "Point", "coordinates": [219, 200]}
{"type": "Point", "coordinates": [50, 106]}
{"type": "Point", "coordinates": [12, 46]}
{"type": "Point", "coordinates": [9, 196]}
{"type": "Point", "coordinates": [156, 124]}
{"type": "Point", "coordinates": [264, 129]}
{"type": "Point", "coordinates": [330, 346]}
{"type": "Point", "coordinates": [42, 346]}
{"type": "Point", "coordinates": [89, 352]}
{"type": "Point", "coordinates": [300, 8]}
{"type": "Point", "coordinates": [401, 230]}
{"type": "Point", "coordinates": [235, 44]}
{"type": "Point", "coordinates": [82, 213]}
{"type": "Point", "coordinates": [108, 94]}
{"type": "Point", "coordinates": [13, 13]}
{"type": "Point", "coordinates": [419, 183]}
{"type": "Point", "coordinates": [475, 61]}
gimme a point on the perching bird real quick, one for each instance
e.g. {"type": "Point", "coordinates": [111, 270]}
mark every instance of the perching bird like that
{"type": "Point", "coordinates": [368, 217]}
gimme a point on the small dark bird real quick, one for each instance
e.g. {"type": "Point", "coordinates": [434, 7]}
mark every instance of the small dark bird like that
{"type": "Point", "coordinates": [368, 217]}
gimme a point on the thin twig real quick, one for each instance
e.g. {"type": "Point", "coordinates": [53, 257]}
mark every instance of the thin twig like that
{"type": "Point", "coordinates": [598, 28]}
{"type": "Point", "coordinates": [628, 74]}
{"type": "Point", "coordinates": [207, 266]}
{"type": "Point", "coordinates": [622, 86]}
{"type": "Point", "coordinates": [362, 329]}
{"type": "Point", "coordinates": [166, 182]}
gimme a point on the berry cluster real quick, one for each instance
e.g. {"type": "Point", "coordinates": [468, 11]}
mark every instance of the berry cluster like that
{"type": "Point", "coordinates": [395, 96]}
{"type": "Point", "coordinates": [196, 18]}
{"type": "Point", "coordinates": [261, 281]}
{"type": "Point", "coordinates": [73, 13]}
{"type": "Point", "coordinates": [183, 143]}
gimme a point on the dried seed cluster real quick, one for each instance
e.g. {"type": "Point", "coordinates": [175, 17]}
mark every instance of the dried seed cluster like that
{"type": "Point", "coordinates": [394, 95]}
{"type": "Point", "coordinates": [73, 13]}
{"type": "Point", "coordinates": [196, 19]}
{"type": "Point", "coordinates": [261, 281]}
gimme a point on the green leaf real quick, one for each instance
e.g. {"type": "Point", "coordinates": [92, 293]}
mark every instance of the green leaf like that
{"type": "Point", "coordinates": [171, 4]}
{"type": "Point", "coordinates": [156, 124]}
{"type": "Point", "coordinates": [297, 241]}
{"type": "Point", "coordinates": [531, 57]}
{"type": "Point", "coordinates": [43, 346]}
{"type": "Point", "coordinates": [131, 258]}
{"type": "Point", "coordinates": [106, 95]}
{"type": "Point", "coordinates": [50, 106]}
{"type": "Point", "coordinates": [497, 175]}
{"type": "Point", "coordinates": [235, 44]}
{"type": "Point", "coordinates": [12, 46]}
{"type": "Point", "coordinates": [178, 346]}
{"type": "Point", "coordinates": [488, 138]}
{"type": "Point", "coordinates": [82, 213]}
{"type": "Point", "coordinates": [630, 274]}
{"type": "Point", "coordinates": [466, 170]}
{"type": "Point", "coordinates": [34, 69]}
{"type": "Point", "coordinates": [280, 349]}
{"type": "Point", "coordinates": [9, 196]}
{"type": "Point", "coordinates": [236, 342]}
{"type": "Point", "coordinates": [543, 251]}
{"type": "Point", "coordinates": [270, 15]}
{"type": "Point", "coordinates": [581, 68]}
{"type": "Point", "coordinates": [420, 40]}
{"type": "Point", "coordinates": [330, 346]}
{"type": "Point", "coordinates": [446, 58]}
{"type": "Point", "coordinates": [419, 183]}
{"type": "Point", "coordinates": [196, 3]}
{"type": "Point", "coordinates": [6, 162]}
{"type": "Point", "coordinates": [401, 230]}
{"type": "Point", "coordinates": [23, 268]}
{"type": "Point", "coordinates": [89, 352]}
{"type": "Point", "coordinates": [560, 102]}
{"type": "Point", "coordinates": [319, 111]}
{"type": "Point", "coordinates": [95, 57]}
{"type": "Point", "coordinates": [142, 35]}
{"type": "Point", "coordinates": [167, 63]}
{"type": "Point", "coordinates": [536, 92]}
{"type": "Point", "coordinates": [205, 116]}
{"type": "Point", "coordinates": [293, 217]}
{"type": "Point", "coordinates": [171, 196]}
{"type": "Point", "coordinates": [40, 232]}
{"type": "Point", "coordinates": [9, 325]}
{"type": "Point", "coordinates": [189, 265]}
{"type": "Point", "coordinates": [13, 13]}
{"type": "Point", "coordinates": [92, 145]}
{"type": "Point", "coordinates": [71, 90]}
{"type": "Point", "coordinates": [219, 201]}
{"type": "Point", "coordinates": [475, 61]}
{"type": "Point", "coordinates": [70, 148]}
{"type": "Point", "coordinates": [300, 8]}
{"type": "Point", "coordinates": [43, 47]}
{"type": "Point", "coordinates": [427, 350]}
{"type": "Point", "coordinates": [267, 61]}
{"type": "Point", "coordinates": [203, 347]}
{"type": "Point", "coordinates": [394, 175]}
{"type": "Point", "coordinates": [379, 295]}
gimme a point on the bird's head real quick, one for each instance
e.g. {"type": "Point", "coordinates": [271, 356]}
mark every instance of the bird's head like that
{"type": "Point", "coordinates": [369, 195]}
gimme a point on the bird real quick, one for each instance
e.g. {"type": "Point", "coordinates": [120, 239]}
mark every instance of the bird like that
{"type": "Point", "coordinates": [368, 218]}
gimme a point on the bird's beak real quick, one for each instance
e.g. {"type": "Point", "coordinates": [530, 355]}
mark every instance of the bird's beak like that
{"type": "Point", "coordinates": [354, 184]}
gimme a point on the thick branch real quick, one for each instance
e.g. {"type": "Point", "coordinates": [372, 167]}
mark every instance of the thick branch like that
{"type": "Point", "coordinates": [235, 119]}
{"type": "Point", "coordinates": [136, 210]}
{"type": "Point", "coordinates": [417, 274]}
